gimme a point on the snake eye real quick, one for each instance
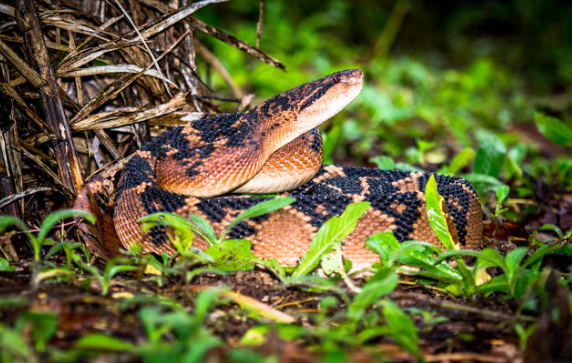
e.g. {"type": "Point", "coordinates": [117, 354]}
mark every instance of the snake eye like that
{"type": "Point", "coordinates": [336, 79]}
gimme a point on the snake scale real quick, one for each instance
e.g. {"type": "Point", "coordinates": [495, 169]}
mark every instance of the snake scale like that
{"type": "Point", "coordinates": [275, 147]}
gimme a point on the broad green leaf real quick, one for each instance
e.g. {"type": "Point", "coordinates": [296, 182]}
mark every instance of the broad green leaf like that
{"type": "Point", "coordinates": [5, 265]}
{"type": "Point", "coordinates": [382, 283]}
{"type": "Point", "coordinates": [490, 258]}
{"type": "Point", "coordinates": [207, 299]}
{"type": "Point", "coordinates": [405, 246]}
{"type": "Point", "coordinates": [44, 327]}
{"type": "Point", "coordinates": [554, 129]}
{"type": "Point", "coordinates": [497, 284]}
{"type": "Point", "coordinates": [204, 226]}
{"type": "Point", "coordinates": [333, 262]}
{"type": "Point", "coordinates": [331, 233]}
{"type": "Point", "coordinates": [383, 162]}
{"type": "Point", "coordinates": [258, 210]}
{"type": "Point", "coordinates": [273, 266]}
{"type": "Point", "coordinates": [401, 328]}
{"type": "Point", "coordinates": [119, 268]}
{"type": "Point", "coordinates": [183, 227]}
{"type": "Point", "coordinates": [101, 342]}
{"type": "Point", "coordinates": [553, 228]}
{"type": "Point", "coordinates": [483, 179]}
{"type": "Point", "coordinates": [502, 193]}
{"type": "Point", "coordinates": [436, 214]}
{"type": "Point", "coordinates": [423, 258]}
{"type": "Point", "coordinates": [58, 216]}
{"type": "Point", "coordinates": [232, 255]}
{"type": "Point", "coordinates": [461, 160]}
{"type": "Point", "coordinates": [455, 253]}
{"type": "Point", "coordinates": [513, 260]}
{"type": "Point", "coordinates": [13, 344]}
{"type": "Point", "coordinates": [7, 221]}
{"type": "Point", "coordinates": [514, 158]}
{"type": "Point", "coordinates": [385, 245]}
{"type": "Point", "coordinates": [490, 156]}
{"type": "Point", "coordinates": [539, 254]}
{"type": "Point", "coordinates": [258, 334]}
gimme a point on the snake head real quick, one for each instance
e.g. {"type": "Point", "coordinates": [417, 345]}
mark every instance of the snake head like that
{"type": "Point", "coordinates": [325, 97]}
{"type": "Point", "coordinates": [294, 112]}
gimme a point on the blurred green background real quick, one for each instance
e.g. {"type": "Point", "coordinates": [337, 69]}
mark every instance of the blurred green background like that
{"type": "Point", "coordinates": [443, 80]}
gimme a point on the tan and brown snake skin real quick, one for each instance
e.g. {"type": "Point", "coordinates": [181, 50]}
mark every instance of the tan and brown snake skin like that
{"type": "Point", "coordinates": [274, 147]}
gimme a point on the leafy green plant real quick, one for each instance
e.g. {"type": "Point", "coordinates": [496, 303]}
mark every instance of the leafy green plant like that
{"type": "Point", "coordinates": [14, 347]}
{"type": "Point", "coordinates": [519, 273]}
{"type": "Point", "coordinates": [329, 238]}
{"type": "Point", "coordinates": [554, 129]}
{"type": "Point", "coordinates": [5, 265]}
{"type": "Point", "coordinates": [173, 334]}
{"type": "Point", "coordinates": [40, 239]}
{"type": "Point", "coordinates": [114, 266]}
{"type": "Point", "coordinates": [38, 327]}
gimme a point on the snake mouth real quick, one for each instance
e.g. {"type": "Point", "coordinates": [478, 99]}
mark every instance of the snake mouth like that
{"type": "Point", "coordinates": [328, 97]}
{"type": "Point", "coordinates": [350, 76]}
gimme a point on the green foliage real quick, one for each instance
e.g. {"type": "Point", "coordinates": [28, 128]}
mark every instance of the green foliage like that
{"type": "Point", "coordinates": [40, 239]}
{"type": "Point", "coordinates": [5, 265]}
{"type": "Point", "coordinates": [329, 237]}
{"type": "Point", "coordinates": [114, 266]}
{"type": "Point", "coordinates": [173, 335]}
{"type": "Point", "coordinates": [554, 129]}
{"type": "Point", "coordinates": [401, 328]}
{"type": "Point", "coordinates": [232, 255]}
{"type": "Point", "coordinates": [223, 255]}
{"type": "Point", "coordinates": [436, 215]}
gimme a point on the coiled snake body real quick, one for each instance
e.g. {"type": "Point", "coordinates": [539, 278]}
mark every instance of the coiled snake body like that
{"type": "Point", "coordinates": [275, 147]}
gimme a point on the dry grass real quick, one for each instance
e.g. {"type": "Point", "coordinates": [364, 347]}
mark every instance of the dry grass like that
{"type": "Point", "coordinates": [86, 83]}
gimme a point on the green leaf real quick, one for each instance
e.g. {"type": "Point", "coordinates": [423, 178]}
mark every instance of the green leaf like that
{"type": "Point", "coordinates": [7, 221]}
{"type": "Point", "coordinates": [419, 256]}
{"type": "Point", "coordinates": [273, 266]}
{"type": "Point", "coordinates": [330, 141]}
{"type": "Point", "coordinates": [204, 226]}
{"type": "Point", "coordinates": [490, 258]}
{"type": "Point", "coordinates": [490, 156]}
{"type": "Point", "coordinates": [513, 260]}
{"type": "Point", "coordinates": [258, 210]}
{"type": "Point", "coordinates": [333, 263]}
{"type": "Point", "coordinates": [502, 193]}
{"type": "Point", "coordinates": [101, 342]}
{"type": "Point", "coordinates": [461, 160]}
{"type": "Point", "coordinates": [183, 227]}
{"type": "Point", "coordinates": [44, 327]}
{"type": "Point", "coordinates": [331, 233]}
{"type": "Point", "coordinates": [497, 284]}
{"type": "Point", "coordinates": [383, 162]}
{"type": "Point", "coordinates": [114, 270]}
{"type": "Point", "coordinates": [483, 179]}
{"type": "Point", "coordinates": [554, 129]}
{"type": "Point", "coordinates": [382, 283]}
{"type": "Point", "coordinates": [5, 265]}
{"type": "Point", "coordinates": [553, 228]}
{"type": "Point", "coordinates": [401, 328]}
{"type": "Point", "coordinates": [58, 216]}
{"type": "Point", "coordinates": [539, 254]}
{"type": "Point", "coordinates": [207, 299]}
{"type": "Point", "coordinates": [14, 345]}
{"type": "Point", "coordinates": [435, 213]}
{"type": "Point", "coordinates": [232, 255]}
{"type": "Point", "coordinates": [385, 245]}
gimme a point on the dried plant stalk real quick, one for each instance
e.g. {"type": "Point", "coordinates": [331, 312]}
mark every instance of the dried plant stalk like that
{"type": "Point", "coordinates": [68, 163]}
